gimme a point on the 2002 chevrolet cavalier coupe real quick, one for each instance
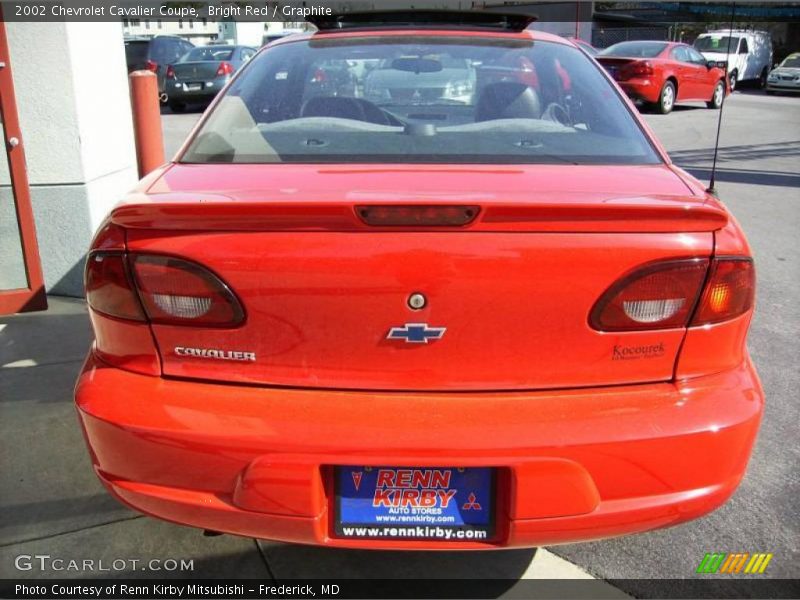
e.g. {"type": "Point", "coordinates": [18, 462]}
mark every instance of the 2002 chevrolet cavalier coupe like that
{"type": "Point", "coordinates": [428, 285]}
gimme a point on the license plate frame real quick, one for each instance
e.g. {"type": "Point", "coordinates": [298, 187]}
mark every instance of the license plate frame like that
{"type": "Point", "coordinates": [192, 87]}
{"type": "Point", "coordinates": [354, 518]}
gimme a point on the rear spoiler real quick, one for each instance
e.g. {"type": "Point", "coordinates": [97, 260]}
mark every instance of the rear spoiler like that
{"type": "Point", "coordinates": [422, 19]}
{"type": "Point", "coordinates": [626, 215]}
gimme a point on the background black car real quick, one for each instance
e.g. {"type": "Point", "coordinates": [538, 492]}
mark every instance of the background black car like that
{"type": "Point", "coordinates": [155, 54]}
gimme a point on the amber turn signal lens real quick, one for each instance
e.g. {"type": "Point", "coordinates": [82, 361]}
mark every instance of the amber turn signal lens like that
{"type": "Point", "coordinates": [729, 291]}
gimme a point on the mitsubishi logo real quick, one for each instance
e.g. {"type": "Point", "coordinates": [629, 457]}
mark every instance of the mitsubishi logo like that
{"type": "Point", "coordinates": [471, 503]}
{"type": "Point", "coordinates": [416, 333]}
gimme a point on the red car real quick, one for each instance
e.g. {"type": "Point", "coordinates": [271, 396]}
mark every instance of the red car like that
{"type": "Point", "coordinates": [664, 73]}
{"type": "Point", "coordinates": [462, 314]}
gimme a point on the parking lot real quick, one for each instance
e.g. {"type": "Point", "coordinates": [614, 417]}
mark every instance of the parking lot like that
{"type": "Point", "coordinates": [52, 504]}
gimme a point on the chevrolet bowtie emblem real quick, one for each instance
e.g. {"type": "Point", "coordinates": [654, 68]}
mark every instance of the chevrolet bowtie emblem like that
{"type": "Point", "coordinates": [416, 333]}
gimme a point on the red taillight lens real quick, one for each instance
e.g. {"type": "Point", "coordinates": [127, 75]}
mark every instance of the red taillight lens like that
{"type": "Point", "coordinates": [657, 296]}
{"type": "Point", "coordinates": [319, 76]}
{"type": "Point", "coordinates": [151, 65]}
{"type": "Point", "coordinates": [638, 69]}
{"type": "Point", "coordinates": [417, 216]}
{"type": "Point", "coordinates": [178, 292]}
{"type": "Point", "coordinates": [108, 286]}
{"type": "Point", "coordinates": [729, 291]}
{"type": "Point", "coordinates": [170, 74]}
{"type": "Point", "coordinates": [225, 68]}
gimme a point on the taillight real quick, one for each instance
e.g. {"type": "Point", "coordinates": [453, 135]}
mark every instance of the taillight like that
{"type": "Point", "coordinates": [319, 76]}
{"type": "Point", "coordinates": [639, 69]}
{"type": "Point", "coordinates": [170, 74]}
{"type": "Point", "coordinates": [417, 216]}
{"type": "Point", "coordinates": [729, 291]}
{"type": "Point", "coordinates": [657, 296]}
{"type": "Point", "coordinates": [178, 292]}
{"type": "Point", "coordinates": [225, 68]}
{"type": "Point", "coordinates": [109, 289]}
{"type": "Point", "coordinates": [151, 65]}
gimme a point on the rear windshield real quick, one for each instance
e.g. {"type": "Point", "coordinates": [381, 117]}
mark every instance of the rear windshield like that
{"type": "Point", "coordinates": [635, 49]}
{"type": "Point", "coordinates": [208, 53]}
{"type": "Point", "coordinates": [421, 99]}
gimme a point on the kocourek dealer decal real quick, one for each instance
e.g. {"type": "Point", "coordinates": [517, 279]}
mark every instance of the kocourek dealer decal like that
{"type": "Point", "coordinates": [447, 504]}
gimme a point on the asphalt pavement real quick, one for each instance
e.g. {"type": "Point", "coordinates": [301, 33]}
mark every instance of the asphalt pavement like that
{"type": "Point", "coordinates": [51, 502]}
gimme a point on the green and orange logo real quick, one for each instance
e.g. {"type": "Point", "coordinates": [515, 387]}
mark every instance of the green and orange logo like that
{"type": "Point", "coordinates": [740, 562]}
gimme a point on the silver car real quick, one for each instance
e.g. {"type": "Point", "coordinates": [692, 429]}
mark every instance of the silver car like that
{"type": "Point", "coordinates": [785, 77]}
{"type": "Point", "coordinates": [420, 81]}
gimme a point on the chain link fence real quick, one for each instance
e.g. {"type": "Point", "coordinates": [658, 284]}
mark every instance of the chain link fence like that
{"type": "Point", "coordinates": [608, 36]}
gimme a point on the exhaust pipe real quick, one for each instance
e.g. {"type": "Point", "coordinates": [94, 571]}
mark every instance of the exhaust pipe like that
{"type": "Point", "coordinates": [211, 533]}
{"type": "Point", "coordinates": [163, 98]}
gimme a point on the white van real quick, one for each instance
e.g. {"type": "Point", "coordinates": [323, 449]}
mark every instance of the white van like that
{"type": "Point", "coordinates": [750, 53]}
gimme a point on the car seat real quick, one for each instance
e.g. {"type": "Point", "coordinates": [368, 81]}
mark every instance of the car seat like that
{"type": "Point", "coordinates": [507, 100]}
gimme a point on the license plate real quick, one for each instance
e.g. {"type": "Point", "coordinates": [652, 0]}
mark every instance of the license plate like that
{"type": "Point", "coordinates": [193, 87]}
{"type": "Point", "coordinates": [411, 503]}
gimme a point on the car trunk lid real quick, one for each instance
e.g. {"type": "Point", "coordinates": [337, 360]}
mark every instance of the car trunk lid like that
{"type": "Point", "coordinates": [506, 297]}
{"type": "Point", "coordinates": [195, 71]}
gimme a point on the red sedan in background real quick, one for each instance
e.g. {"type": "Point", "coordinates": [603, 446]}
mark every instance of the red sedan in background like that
{"type": "Point", "coordinates": [663, 73]}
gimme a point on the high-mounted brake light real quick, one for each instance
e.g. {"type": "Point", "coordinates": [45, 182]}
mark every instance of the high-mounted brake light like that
{"type": "Point", "coordinates": [108, 286]}
{"type": "Point", "coordinates": [178, 292]}
{"type": "Point", "coordinates": [417, 216]}
{"type": "Point", "coordinates": [729, 291]}
{"type": "Point", "coordinates": [657, 296]}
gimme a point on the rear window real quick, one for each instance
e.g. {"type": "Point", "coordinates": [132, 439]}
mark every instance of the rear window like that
{"type": "Point", "coordinates": [635, 49]}
{"type": "Point", "coordinates": [208, 53]}
{"type": "Point", "coordinates": [421, 100]}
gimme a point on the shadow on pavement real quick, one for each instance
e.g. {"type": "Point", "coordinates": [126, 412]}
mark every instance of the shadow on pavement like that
{"type": "Point", "coordinates": [747, 176]}
{"type": "Point", "coordinates": [61, 334]}
{"type": "Point", "coordinates": [739, 152]}
{"type": "Point", "coordinates": [301, 562]}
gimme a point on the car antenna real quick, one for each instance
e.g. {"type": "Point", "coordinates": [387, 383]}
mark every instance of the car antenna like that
{"type": "Point", "coordinates": [711, 189]}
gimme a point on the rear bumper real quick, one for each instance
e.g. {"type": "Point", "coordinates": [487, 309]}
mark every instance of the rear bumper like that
{"type": "Point", "coordinates": [572, 465]}
{"type": "Point", "coordinates": [641, 89]}
{"type": "Point", "coordinates": [206, 93]}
